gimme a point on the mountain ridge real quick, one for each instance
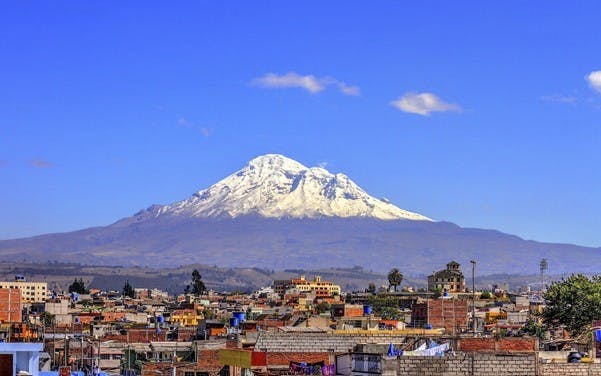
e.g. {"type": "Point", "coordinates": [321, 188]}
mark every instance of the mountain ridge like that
{"type": "Point", "coordinates": [213, 226]}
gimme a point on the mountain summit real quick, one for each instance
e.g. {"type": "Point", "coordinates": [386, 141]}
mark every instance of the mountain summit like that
{"type": "Point", "coordinates": [274, 186]}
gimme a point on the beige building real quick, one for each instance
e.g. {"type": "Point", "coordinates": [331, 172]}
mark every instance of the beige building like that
{"type": "Point", "coordinates": [31, 292]}
{"type": "Point", "coordinates": [449, 280]}
{"type": "Point", "coordinates": [319, 287]}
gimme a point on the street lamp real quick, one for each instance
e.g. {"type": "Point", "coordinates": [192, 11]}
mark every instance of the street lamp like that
{"type": "Point", "coordinates": [473, 296]}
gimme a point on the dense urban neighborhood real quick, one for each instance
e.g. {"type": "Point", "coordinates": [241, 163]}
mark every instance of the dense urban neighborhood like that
{"type": "Point", "coordinates": [302, 325]}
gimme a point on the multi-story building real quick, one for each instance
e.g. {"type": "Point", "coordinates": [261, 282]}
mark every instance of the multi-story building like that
{"type": "Point", "coordinates": [317, 286]}
{"type": "Point", "coordinates": [31, 292]}
{"type": "Point", "coordinates": [449, 280]}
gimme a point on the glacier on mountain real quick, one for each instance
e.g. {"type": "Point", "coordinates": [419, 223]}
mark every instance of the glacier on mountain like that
{"type": "Point", "coordinates": [274, 186]}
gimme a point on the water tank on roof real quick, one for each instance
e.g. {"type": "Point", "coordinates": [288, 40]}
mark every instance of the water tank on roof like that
{"type": "Point", "coordinates": [241, 316]}
{"type": "Point", "coordinates": [427, 326]}
{"type": "Point", "coordinates": [366, 310]}
{"type": "Point", "coordinates": [160, 319]}
{"type": "Point", "coordinates": [234, 322]}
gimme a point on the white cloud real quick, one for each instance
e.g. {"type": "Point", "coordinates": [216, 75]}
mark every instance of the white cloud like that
{"type": "Point", "coordinates": [594, 80]}
{"type": "Point", "coordinates": [289, 80]}
{"type": "Point", "coordinates": [348, 90]}
{"type": "Point", "coordinates": [307, 82]}
{"type": "Point", "coordinates": [423, 104]}
{"type": "Point", "coordinates": [184, 122]}
{"type": "Point", "coordinates": [323, 164]}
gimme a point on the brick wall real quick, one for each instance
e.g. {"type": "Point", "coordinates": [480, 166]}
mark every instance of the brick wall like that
{"type": "Point", "coordinates": [14, 297]}
{"type": "Point", "coordinates": [284, 358]}
{"type": "Point", "coordinates": [208, 360]}
{"type": "Point", "coordinates": [516, 344]}
{"type": "Point", "coordinates": [450, 314]}
{"type": "Point", "coordinates": [462, 364]}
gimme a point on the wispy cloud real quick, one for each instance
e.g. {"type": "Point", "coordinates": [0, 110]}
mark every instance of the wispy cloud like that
{"type": "Point", "coordinates": [204, 131]}
{"type": "Point", "coordinates": [423, 104]}
{"type": "Point", "coordinates": [184, 122]}
{"type": "Point", "coordinates": [594, 80]}
{"type": "Point", "coordinates": [348, 89]}
{"type": "Point", "coordinates": [308, 82]}
{"type": "Point", "coordinates": [560, 98]}
{"type": "Point", "coordinates": [40, 163]}
{"type": "Point", "coordinates": [323, 164]}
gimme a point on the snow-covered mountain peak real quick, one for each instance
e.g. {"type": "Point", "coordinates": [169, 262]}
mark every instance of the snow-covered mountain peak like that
{"type": "Point", "coordinates": [272, 162]}
{"type": "Point", "coordinates": [275, 186]}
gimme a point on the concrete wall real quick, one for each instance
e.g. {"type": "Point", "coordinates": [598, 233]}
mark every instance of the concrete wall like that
{"type": "Point", "coordinates": [484, 364]}
{"type": "Point", "coordinates": [462, 364]}
{"type": "Point", "coordinates": [570, 369]}
{"type": "Point", "coordinates": [319, 342]}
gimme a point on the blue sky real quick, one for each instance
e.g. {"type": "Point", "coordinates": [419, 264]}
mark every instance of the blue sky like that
{"type": "Point", "coordinates": [485, 114]}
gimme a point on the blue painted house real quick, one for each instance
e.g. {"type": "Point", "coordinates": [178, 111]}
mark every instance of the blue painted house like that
{"type": "Point", "coordinates": [23, 358]}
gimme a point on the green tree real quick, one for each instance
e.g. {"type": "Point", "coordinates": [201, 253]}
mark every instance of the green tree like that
{"type": "Point", "coordinates": [574, 302]}
{"type": "Point", "coordinates": [198, 286]}
{"type": "Point", "coordinates": [371, 288]}
{"type": "Point", "coordinates": [390, 313]}
{"type": "Point", "coordinates": [533, 329]}
{"type": "Point", "coordinates": [395, 278]}
{"type": "Point", "coordinates": [485, 295]}
{"type": "Point", "coordinates": [128, 290]}
{"type": "Point", "coordinates": [323, 307]}
{"type": "Point", "coordinates": [47, 319]}
{"type": "Point", "coordinates": [387, 307]}
{"type": "Point", "coordinates": [78, 286]}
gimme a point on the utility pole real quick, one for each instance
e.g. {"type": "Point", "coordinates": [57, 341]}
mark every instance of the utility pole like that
{"type": "Point", "coordinates": [473, 296]}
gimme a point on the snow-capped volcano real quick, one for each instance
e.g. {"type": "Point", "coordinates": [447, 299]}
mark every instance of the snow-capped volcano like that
{"type": "Point", "coordinates": [275, 186]}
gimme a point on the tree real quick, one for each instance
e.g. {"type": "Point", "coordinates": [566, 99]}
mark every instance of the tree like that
{"type": "Point", "coordinates": [533, 329]}
{"type": "Point", "coordinates": [395, 278]}
{"type": "Point", "coordinates": [47, 318]}
{"type": "Point", "coordinates": [128, 290]}
{"type": "Point", "coordinates": [485, 295]}
{"type": "Point", "coordinates": [386, 307]}
{"type": "Point", "coordinates": [198, 286]}
{"type": "Point", "coordinates": [574, 302]}
{"type": "Point", "coordinates": [323, 307]}
{"type": "Point", "coordinates": [78, 286]}
{"type": "Point", "coordinates": [371, 288]}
